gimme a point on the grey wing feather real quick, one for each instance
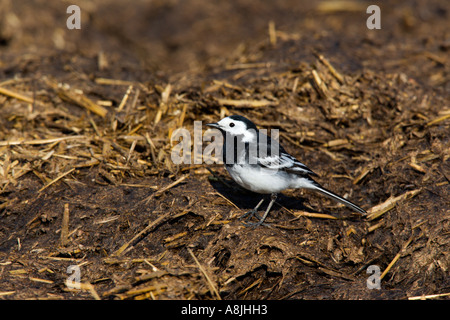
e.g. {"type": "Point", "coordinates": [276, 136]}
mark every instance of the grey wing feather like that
{"type": "Point", "coordinates": [287, 163]}
{"type": "Point", "coordinates": [281, 160]}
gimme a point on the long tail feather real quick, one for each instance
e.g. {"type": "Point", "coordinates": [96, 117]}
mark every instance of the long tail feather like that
{"type": "Point", "coordinates": [334, 196]}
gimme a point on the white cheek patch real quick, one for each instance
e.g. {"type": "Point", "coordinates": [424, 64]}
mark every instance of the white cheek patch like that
{"type": "Point", "coordinates": [248, 137]}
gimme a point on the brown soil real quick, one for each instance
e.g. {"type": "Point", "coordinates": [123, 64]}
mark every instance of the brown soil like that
{"type": "Point", "coordinates": [85, 121]}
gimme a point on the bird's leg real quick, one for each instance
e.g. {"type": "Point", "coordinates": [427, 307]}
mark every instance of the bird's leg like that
{"type": "Point", "coordinates": [253, 211]}
{"type": "Point", "coordinates": [273, 197]}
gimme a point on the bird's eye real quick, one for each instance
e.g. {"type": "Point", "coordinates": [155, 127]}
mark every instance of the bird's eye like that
{"type": "Point", "coordinates": [232, 124]}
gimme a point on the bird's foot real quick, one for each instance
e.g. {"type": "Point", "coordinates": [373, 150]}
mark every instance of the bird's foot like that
{"type": "Point", "coordinates": [255, 224]}
{"type": "Point", "coordinates": [250, 214]}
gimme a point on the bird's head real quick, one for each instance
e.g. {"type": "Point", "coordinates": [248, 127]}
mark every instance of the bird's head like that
{"type": "Point", "coordinates": [236, 126]}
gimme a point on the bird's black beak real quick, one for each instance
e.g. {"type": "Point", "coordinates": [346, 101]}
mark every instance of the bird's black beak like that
{"type": "Point", "coordinates": [214, 125]}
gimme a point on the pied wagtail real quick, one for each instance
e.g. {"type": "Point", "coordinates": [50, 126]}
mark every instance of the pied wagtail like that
{"type": "Point", "coordinates": [260, 164]}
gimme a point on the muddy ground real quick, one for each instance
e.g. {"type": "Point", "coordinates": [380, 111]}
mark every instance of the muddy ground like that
{"type": "Point", "coordinates": [87, 183]}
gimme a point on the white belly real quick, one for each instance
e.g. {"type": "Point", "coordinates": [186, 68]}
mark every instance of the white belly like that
{"type": "Point", "coordinates": [259, 180]}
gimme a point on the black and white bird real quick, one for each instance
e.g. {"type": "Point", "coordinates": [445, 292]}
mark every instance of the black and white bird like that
{"type": "Point", "coordinates": [260, 164]}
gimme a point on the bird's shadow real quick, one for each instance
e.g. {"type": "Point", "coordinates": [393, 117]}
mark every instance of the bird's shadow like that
{"type": "Point", "coordinates": [247, 200]}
